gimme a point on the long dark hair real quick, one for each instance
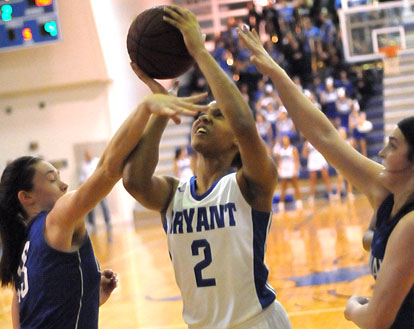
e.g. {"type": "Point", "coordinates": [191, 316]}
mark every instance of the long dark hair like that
{"type": "Point", "coordinates": [407, 128]}
{"type": "Point", "coordinates": [18, 176]}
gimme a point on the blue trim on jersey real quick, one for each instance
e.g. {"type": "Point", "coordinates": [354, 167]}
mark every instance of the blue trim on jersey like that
{"type": "Point", "coordinates": [261, 222]}
{"type": "Point", "coordinates": [193, 181]}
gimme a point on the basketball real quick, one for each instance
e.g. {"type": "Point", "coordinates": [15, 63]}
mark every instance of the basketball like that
{"type": "Point", "coordinates": [157, 47]}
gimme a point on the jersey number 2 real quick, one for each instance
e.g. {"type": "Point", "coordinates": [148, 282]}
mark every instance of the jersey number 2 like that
{"type": "Point", "coordinates": [195, 246]}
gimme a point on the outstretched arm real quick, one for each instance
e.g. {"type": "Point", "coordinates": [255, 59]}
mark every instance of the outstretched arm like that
{"type": "Point", "coordinates": [68, 213]}
{"type": "Point", "coordinates": [259, 171]}
{"type": "Point", "coordinates": [15, 311]}
{"type": "Point", "coordinates": [313, 124]}
{"type": "Point", "coordinates": [394, 281]}
{"type": "Point", "coordinates": [151, 191]}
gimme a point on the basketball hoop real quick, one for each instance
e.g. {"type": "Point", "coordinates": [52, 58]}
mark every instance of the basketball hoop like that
{"type": "Point", "coordinates": [391, 60]}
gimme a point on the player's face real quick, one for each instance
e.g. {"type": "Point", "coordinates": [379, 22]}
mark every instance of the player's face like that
{"type": "Point", "coordinates": [395, 158]}
{"type": "Point", "coordinates": [211, 132]}
{"type": "Point", "coordinates": [47, 186]}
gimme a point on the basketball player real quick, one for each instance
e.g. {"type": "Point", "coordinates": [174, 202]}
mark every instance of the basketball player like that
{"type": "Point", "coordinates": [216, 222]}
{"type": "Point", "coordinates": [58, 282]}
{"type": "Point", "coordinates": [389, 188]}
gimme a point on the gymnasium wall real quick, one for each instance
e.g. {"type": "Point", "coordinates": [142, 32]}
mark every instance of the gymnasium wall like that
{"type": "Point", "coordinates": [72, 93]}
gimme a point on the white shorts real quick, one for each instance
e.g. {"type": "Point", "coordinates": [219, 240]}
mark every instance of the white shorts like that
{"type": "Point", "coordinates": [273, 317]}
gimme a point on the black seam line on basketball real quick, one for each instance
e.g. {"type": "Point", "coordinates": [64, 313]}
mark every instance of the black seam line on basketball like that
{"type": "Point", "coordinates": [169, 53]}
{"type": "Point", "coordinates": [156, 34]}
{"type": "Point", "coordinates": [149, 62]}
{"type": "Point", "coordinates": [133, 39]}
{"type": "Point", "coordinates": [139, 42]}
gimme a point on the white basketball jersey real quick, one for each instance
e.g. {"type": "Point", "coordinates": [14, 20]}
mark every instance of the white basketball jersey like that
{"type": "Point", "coordinates": [217, 244]}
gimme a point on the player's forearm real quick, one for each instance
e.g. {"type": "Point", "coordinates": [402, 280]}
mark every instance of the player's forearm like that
{"type": "Point", "coordinates": [226, 93]}
{"type": "Point", "coordinates": [15, 312]}
{"type": "Point", "coordinates": [123, 142]}
{"type": "Point", "coordinates": [142, 162]}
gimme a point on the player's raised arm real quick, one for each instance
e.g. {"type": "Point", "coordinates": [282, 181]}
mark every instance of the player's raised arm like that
{"type": "Point", "coordinates": [139, 180]}
{"type": "Point", "coordinates": [313, 124]}
{"type": "Point", "coordinates": [72, 207]}
{"type": "Point", "coordinates": [258, 168]}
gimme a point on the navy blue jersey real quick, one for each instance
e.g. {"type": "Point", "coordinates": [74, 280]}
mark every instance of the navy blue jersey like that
{"type": "Point", "coordinates": [57, 289]}
{"type": "Point", "coordinates": [384, 227]}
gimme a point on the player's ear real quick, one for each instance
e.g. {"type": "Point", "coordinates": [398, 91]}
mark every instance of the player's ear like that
{"type": "Point", "coordinates": [25, 198]}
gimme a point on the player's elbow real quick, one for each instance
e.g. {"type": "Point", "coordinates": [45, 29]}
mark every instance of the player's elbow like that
{"type": "Point", "coordinates": [129, 180]}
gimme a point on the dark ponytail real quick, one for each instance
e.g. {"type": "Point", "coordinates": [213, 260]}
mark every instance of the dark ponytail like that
{"type": "Point", "coordinates": [18, 176]}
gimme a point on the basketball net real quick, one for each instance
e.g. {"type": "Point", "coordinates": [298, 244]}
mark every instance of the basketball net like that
{"type": "Point", "coordinates": [391, 60]}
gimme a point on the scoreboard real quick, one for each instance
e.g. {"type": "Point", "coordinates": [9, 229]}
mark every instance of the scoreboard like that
{"type": "Point", "coordinates": [27, 23]}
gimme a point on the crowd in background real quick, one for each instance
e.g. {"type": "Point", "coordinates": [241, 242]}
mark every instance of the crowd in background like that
{"type": "Point", "coordinates": [306, 41]}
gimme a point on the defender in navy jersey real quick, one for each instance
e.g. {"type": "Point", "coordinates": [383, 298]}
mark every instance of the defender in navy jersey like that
{"type": "Point", "coordinates": [389, 188]}
{"type": "Point", "coordinates": [47, 253]}
{"type": "Point", "coordinates": [217, 221]}
{"type": "Point", "coordinates": [64, 286]}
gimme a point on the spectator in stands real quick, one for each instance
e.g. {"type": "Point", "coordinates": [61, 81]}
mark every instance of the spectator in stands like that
{"type": "Point", "coordinates": [253, 17]}
{"type": "Point", "coordinates": [299, 63]}
{"type": "Point", "coordinates": [271, 115]}
{"type": "Point", "coordinates": [284, 125]}
{"type": "Point", "coordinates": [271, 18]}
{"type": "Point", "coordinates": [344, 107]}
{"type": "Point", "coordinates": [182, 164]}
{"type": "Point", "coordinates": [312, 98]}
{"type": "Point", "coordinates": [317, 87]}
{"type": "Point", "coordinates": [265, 130]}
{"type": "Point", "coordinates": [359, 126]}
{"type": "Point", "coordinates": [363, 88]}
{"type": "Point", "coordinates": [344, 82]}
{"type": "Point", "coordinates": [269, 96]}
{"type": "Point", "coordinates": [244, 89]}
{"type": "Point", "coordinates": [328, 101]}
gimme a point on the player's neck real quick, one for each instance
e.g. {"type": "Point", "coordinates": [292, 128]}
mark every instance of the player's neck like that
{"type": "Point", "coordinates": [208, 174]}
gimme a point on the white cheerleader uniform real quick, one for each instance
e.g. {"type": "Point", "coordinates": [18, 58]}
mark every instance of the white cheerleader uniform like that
{"type": "Point", "coordinates": [287, 163]}
{"type": "Point", "coordinates": [316, 161]}
{"type": "Point", "coordinates": [217, 244]}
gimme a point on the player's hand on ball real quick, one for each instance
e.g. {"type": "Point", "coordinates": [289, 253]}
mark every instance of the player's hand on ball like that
{"type": "Point", "coordinates": [153, 85]}
{"type": "Point", "coordinates": [173, 106]}
{"type": "Point", "coordinates": [109, 282]}
{"type": "Point", "coordinates": [187, 23]}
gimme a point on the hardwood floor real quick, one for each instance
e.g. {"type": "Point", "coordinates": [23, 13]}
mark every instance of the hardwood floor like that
{"type": "Point", "coordinates": [315, 258]}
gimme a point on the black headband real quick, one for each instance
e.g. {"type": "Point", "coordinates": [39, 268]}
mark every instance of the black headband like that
{"type": "Point", "coordinates": [407, 128]}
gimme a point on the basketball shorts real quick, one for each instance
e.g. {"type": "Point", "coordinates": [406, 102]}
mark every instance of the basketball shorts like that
{"type": "Point", "coordinates": [273, 317]}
